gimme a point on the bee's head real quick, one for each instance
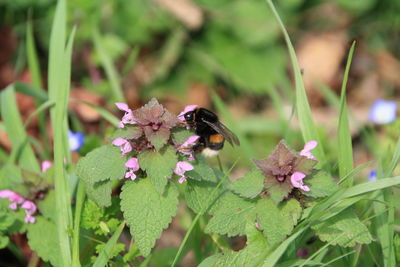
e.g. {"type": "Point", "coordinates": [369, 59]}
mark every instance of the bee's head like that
{"type": "Point", "coordinates": [189, 116]}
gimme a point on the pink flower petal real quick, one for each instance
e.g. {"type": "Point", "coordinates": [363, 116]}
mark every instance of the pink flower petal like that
{"type": "Point", "coordinates": [133, 164]}
{"type": "Point", "coordinates": [182, 167]}
{"type": "Point", "coordinates": [190, 141]}
{"type": "Point", "coordinates": [6, 193]}
{"type": "Point", "coordinates": [122, 106]}
{"type": "Point", "coordinates": [126, 148]}
{"type": "Point", "coordinates": [17, 198]}
{"type": "Point", "coordinates": [13, 206]}
{"type": "Point", "coordinates": [182, 179]}
{"type": "Point", "coordinates": [119, 141]}
{"type": "Point", "coordinates": [186, 110]}
{"type": "Point", "coordinates": [130, 174]}
{"type": "Point", "coordinates": [29, 206]}
{"type": "Point", "coordinates": [46, 165]}
{"type": "Point", "coordinates": [297, 181]}
{"type": "Point", "coordinates": [121, 125]}
{"type": "Point", "coordinates": [306, 150]}
{"type": "Point", "coordinates": [29, 219]}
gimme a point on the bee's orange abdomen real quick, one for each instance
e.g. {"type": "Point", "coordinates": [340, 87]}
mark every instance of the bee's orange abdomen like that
{"type": "Point", "coordinates": [216, 138]}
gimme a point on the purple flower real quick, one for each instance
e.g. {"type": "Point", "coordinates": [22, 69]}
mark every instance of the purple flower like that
{"type": "Point", "coordinates": [76, 140]}
{"type": "Point", "coordinates": [133, 165]}
{"type": "Point", "coordinates": [124, 144]}
{"type": "Point", "coordinates": [16, 199]}
{"type": "Point", "coordinates": [307, 147]}
{"type": "Point", "coordinates": [297, 181]}
{"type": "Point", "coordinates": [46, 165]}
{"type": "Point", "coordinates": [30, 209]}
{"type": "Point", "coordinates": [181, 168]}
{"type": "Point", "coordinates": [383, 112]}
{"type": "Point", "coordinates": [186, 110]}
{"type": "Point", "coordinates": [128, 117]}
{"type": "Point", "coordinates": [186, 147]}
{"type": "Point", "coordinates": [372, 176]}
{"type": "Point", "coordinates": [285, 169]}
{"type": "Point", "coordinates": [156, 123]}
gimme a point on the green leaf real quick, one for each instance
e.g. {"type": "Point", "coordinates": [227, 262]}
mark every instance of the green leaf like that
{"type": "Point", "coordinates": [91, 215]}
{"type": "Point", "coordinates": [47, 206]}
{"type": "Point", "coordinates": [16, 131]}
{"type": "Point", "coordinates": [129, 132]}
{"type": "Point", "coordinates": [42, 238]}
{"type": "Point", "coordinates": [307, 125]}
{"type": "Point", "coordinates": [4, 240]}
{"type": "Point", "coordinates": [250, 185]}
{"type": "Point", "coordinates": [100, 192]}
{"type": "Point", "coordinates": [197, 194]}
{"type": "Point", "coordinates": [147, 212]}
{"type": "Point", "coordinates": [110, 249]}
{"type": "Point", "coordinates": [231, 215]}
{"type": "Point", "coordinates": [277, 221]}
{"type": "Point", "coordinates": [345, 153]}
{"type": "Point", "coordinates": [321, 184]}
{"type": "Point", "coordinates": [255, 245]}
{"type": "Point", "coordinates": [158, 165]}
{"type": "Point", "coordinates": [180, 135]}
{"type": "Point", "coordinates": [157, 138]}
{"type": "Point", "coordinates": [344, 229]}
{"type": "Point", "coordinates": [103, 163]}
{"type": "Point", "coordinates": [202, 170]}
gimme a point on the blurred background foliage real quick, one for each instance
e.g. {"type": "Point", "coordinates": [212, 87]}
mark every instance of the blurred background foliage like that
{"type": "Point", "coordinates": [225, 55]}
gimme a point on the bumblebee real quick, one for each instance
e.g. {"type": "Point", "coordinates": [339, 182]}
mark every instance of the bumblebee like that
{"type": "Point", "coordinates": [212, 132]}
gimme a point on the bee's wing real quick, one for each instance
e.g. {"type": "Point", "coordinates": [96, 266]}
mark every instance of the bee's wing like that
{"type": "Point", "coordinates": [222, 129]}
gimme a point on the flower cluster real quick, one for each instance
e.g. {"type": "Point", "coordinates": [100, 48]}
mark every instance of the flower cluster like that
{"type": "Point", "coordinates": [17, 199]}
{"type": "Point", "coordinates": [285, 169]}
{"type": "Point", "coordinates": [149, 128]}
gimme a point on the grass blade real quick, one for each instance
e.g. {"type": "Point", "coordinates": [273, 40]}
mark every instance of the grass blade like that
{"type": "Point", "coordinates": [33, 62]}
{"type": "Point", "coordinates": [345, 153]}
{"type": "Point", "coordinates": [103, 257]}
{"type": "Point", "coordinates": [39, 110]}
{"type": "Point", "coordinates": [16, 131]}
{"type": "Point", "coordinates": [103, 112]}
{"type": "Point", "coordinates": [80, 197]}
{"type": "Point", "coordinates": [307, 126]}
{"type": "Point", "coordinates": [58, 80]}
{"type": "Point", "coordinates": [111, 72]}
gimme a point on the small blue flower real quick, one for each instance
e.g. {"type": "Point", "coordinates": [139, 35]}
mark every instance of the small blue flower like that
{"type": "Point", "coordinates": [76, 140]}
{"type": "Point", "coordinates": [383, 112]}
{"type": "Point", "coordinates": [372, 176]}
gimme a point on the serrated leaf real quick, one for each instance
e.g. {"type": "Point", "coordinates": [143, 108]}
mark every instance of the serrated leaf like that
{"type": "Point", "coordinates": [321, 184]}
{"type": "Point", "coordinates": [3, 241]}
{"type": "Point", "coordinates": [202, 170]}
{"type": "Point", "coordinates": [129, 132]}
{"type": "Point", "coordinates": [147, 212]}
{"type": "Point", "coordinates": [158, 165]}
{"type": "Point", "coordinates": [91, 215]}
{"type": "Point", "coordinates": [100, 192]}
{"type": "Point", "coordinates": [47, 206]}
{"type": "Point", "coordinates": [344, 229]}
{"type": "Point", "coordinates": [43, 238]}
{"type": "Point", "coordinates": [6, 219]}
{"type": "Point", "coordinates": [256, 246]}
{"type": "Point", "coordinates": [277, 221]}
{"type": "Point", "coordinates": [180, 135]}
{"type": "Point", "coordinates": [198, 195]}
{"type": "Point", "coordinates": [250, 185]}
{"type": "Point", "coordinates": [231, 215]}
{"type": "Point", "coordinates": [103, 163]}
{"type": "Point", "coordinates": [157, 138]}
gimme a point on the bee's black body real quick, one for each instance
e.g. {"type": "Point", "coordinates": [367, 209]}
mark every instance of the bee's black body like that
{"type": "Point", "coordinates": [212, 132]}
